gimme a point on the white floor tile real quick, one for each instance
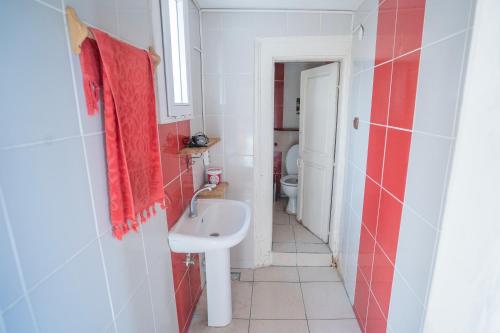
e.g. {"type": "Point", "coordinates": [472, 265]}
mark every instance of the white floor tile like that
{"type": "Point", "coordinates": [246, 274]}
{"type": "Point", "coordinates": [303, 235]}
{"type": "Point", "coordinates": [281, 218]}
{"type": "Point", "coordinates": [334, 326]}
{"type": "Point", "coordinates": [326, 300]}
{"type": "Point", "coordinates": [200, 325]}
{"type": "Point", "coordinates": [284, 247]}
{"type": "Point", "coordinates": [242, 299]}
{"type": "Point", "coordinates": [318, 274]}
{"type": "Point", "coordinates": [273, 326]}
{"type": "Point", "coordinates": [279, 206]}
{"type": "Point", "coordinates": [277, 274]}
{"type": "Point", "coordinates": [314, 259]}
{"type": "Point", "coordinates": [277, 300]}
{"type": "Point", "coordinates": [284, 259]}
{"type": "Point", "coordinates": [283, 234]}
{"type": "Point", "coordinates": [312, 248]}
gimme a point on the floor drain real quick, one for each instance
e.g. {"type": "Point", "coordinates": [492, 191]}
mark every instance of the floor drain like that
{"type": "Point", "coordinates": [214, 234]}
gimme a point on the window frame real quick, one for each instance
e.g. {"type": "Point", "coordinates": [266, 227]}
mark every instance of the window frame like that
{"type": "Point", "coordinates": [168, 110]}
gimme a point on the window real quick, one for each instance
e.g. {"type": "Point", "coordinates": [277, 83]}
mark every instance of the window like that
{"type": "Point", "coordinates": [171, 27]}
{"type": "Point", "coordinates": [178, 50]}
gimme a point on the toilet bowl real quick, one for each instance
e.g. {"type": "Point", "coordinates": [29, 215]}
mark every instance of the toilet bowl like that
{"type": "Point", "coordinates": [290, 182]}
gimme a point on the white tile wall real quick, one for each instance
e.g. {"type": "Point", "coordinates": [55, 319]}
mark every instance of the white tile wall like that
{"type": "Point", "coordinates": [228, 40]}
{"type": "Point", "coordinates": [61, 269]}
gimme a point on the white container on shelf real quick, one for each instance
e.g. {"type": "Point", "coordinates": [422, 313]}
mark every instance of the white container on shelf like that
{"type": "Point", "coordinates": [214, 175]}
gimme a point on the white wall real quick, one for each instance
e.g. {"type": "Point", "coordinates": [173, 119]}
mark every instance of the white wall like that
{"type": "Point", "coordinates": [62, 271]}
{"type": "Point", "coordinates": [363, 58]}
{"type": "Point", "coordinates": [464, 296]}
{"type": "Point", "coordinates": [229, 39]}
{"type": "Point", "coordinates": [291, 91]}
{"type": "Point", "coordinates": [197, 88]}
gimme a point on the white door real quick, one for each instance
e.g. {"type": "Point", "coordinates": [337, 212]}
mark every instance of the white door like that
{"type": "Point", "coordinates": [317, 130]}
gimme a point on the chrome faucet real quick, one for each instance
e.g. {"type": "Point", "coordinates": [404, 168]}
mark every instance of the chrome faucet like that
{"type": "Point", "coordinates": [193, 206]}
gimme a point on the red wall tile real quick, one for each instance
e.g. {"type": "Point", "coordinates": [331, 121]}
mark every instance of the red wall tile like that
{"type": "Point", "coordinates": [173, 201]}
{"type": "Point", "coordinates": [183, 302]}
{"type": "Point", "coordinates": [194, 280]}
{"type": "Point", "coordinates": [366, 251]}
{"type": "Point", "coordinates": [375, 322]}
{"type": "Point", "coordinates": [381, 283]}
{"type": "Point", "coordinates": [370, 206]}
{"type": "Point", "coordinates": [169, 151]}
{"type": "Point", "coordinates": [404, 90]}
{"type": "Point", "coordinates": [187, 187]}
{"type": "Point", "coordinates": [279, 71]}
{"type": "Point", "coordinates": [179, 268]}
{"type": "Point", "coordinates": [388, 224]}
{"type": "Point", "coordinates": [279, 83]}
{"type": "Point", "coordinates": [409, 26]}
{"type": "Point", "coordinates": [376, 146]}
{"type": "Point", "coordinates": [385, 31]}
{"type": "Point", "coordinates": [361, 299]}
{"type": "Point", "coordinates": [380, 97]}
{"type": "Point", "coordinates": [178, 181]}
{"type": "Point", "coordinates": [396, 162]}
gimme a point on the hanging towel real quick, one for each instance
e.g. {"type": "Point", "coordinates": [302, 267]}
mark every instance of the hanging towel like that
{"type": "Point", "coordinates": [123, 75]}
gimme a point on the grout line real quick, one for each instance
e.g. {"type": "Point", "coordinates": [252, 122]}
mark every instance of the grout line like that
{"type": "Point", "coordinates": [40, 142]}
{"type": "Point", "coordinates": [369, 123]}
{"type": "Point", "coordinates": [148, 278]}
{"type": "Point", "coordinates": [450, 36]}
{"type": "Point", "coordinates": [50, 6]}
{"type": "Point", "coordinates": [251, 300]}
{"type": "Point", "coordinates": [383, 165]}
{"type": "Point", "coordinates": [132, 295]}
{"type": "Point", "coordinates": [61, 266]}
{"type": "Point", "coordinates": [87, 171]}
{"type": "Point", "coordinates": [303, 301]}
{"type": "Point", "coordinates": [405, 204]}
{"type": "Point", "coordinates": [17, 260]}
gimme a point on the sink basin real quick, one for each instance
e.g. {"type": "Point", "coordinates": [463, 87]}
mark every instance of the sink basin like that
{"type": "Point", "coordinates": [220, 225]}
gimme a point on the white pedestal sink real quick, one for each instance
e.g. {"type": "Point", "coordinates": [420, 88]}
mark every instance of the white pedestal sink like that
{"type": "Point", "coordinates": [220, 225]}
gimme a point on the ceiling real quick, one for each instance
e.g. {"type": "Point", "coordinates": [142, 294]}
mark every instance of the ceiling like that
{"type": "Point", "coordinates": [281, 4]}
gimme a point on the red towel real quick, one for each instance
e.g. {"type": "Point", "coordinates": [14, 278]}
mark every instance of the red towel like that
{"type": "Point", "coordinates": [124, 76]}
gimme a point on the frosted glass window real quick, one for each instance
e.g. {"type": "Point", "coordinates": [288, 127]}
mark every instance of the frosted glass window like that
{"type": "Point", "coordinates": [178, 50]}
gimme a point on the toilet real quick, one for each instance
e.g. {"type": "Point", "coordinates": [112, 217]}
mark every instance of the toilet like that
{"type": "Point", "coordinates": [289, 183]}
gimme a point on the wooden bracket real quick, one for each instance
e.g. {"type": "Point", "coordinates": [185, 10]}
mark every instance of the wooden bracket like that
{"type": "Point", "coordinates": [78, 31]}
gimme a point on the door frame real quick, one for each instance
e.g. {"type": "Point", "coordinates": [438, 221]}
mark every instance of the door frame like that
{"type": "Point", "coordinates": [293, 49]}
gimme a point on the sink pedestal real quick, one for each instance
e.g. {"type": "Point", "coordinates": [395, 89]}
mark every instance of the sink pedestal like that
{"type": "Point", "coordinates": [218, 287]}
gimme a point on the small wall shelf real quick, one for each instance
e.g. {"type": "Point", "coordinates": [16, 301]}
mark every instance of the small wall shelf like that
{"type": "Point", "coordinates": [217, 193]}
{"type": "Point", "coordinates": [199, 150]}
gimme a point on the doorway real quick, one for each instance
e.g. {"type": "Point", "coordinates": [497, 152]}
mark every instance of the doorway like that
{"type": "Point", "coordinates": [305, 115]}
{"type": "Point", "coordinates": [292, 49]}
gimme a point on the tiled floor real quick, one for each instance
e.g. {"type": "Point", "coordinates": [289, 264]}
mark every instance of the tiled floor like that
{"type": "Point", "coordinates": [285, 299]}
{"type": "Point", "coordinates": [292, 242]}
{"type": "Point", "coordinates": [290, 236]}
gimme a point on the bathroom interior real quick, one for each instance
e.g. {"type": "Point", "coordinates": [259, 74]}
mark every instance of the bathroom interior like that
{"type": "Point", "coordinates": [258, 166]}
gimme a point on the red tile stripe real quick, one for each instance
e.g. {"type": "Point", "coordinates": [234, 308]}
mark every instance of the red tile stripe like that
{"type": "Point", "coordinates": [178, 187]}
{"type": "Point", "coordinates": [279, 86]}
{"type": "Point", "coordinates": [397, 56]}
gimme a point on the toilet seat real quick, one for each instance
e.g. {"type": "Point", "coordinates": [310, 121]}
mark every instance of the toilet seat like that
{"type": "Point", "coordinates": [290, 180]}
